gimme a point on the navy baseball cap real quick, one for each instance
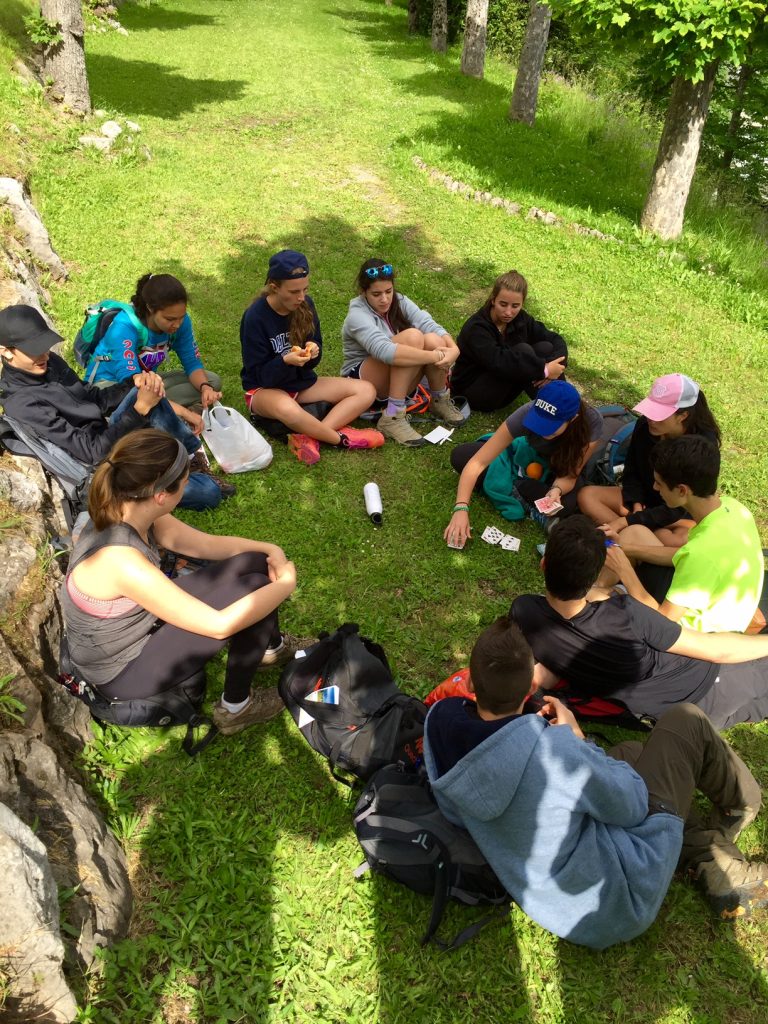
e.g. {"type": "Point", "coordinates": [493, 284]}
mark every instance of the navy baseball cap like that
{"type": "Point", "coordinates": [287, 263]}
{"type": "Point", "coordinates": [555, 404]}
{"type": "Point", "coordinates": [24, 328]}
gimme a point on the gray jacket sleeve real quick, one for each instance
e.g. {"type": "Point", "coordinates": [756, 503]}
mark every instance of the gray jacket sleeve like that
{"type": "Point", "coordinates": [419, 318]}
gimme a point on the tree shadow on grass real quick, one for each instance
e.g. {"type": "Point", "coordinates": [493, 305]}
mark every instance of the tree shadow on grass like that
{"type": "Point", "coordinates": [12, 14]}
{"type": "Point", "coordinates": [571, 157]}
{"type": "Point", "coordinates": [137, 18]}
{"type": "Point", "coordinates": [136, 87]}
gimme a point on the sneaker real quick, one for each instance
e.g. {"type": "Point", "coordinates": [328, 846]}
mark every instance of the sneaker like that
{"type": "Point", "coordinates": [305, 448]}
{"type": "Point", "coordinates": [352, 437]}
{"type": "Point", "coordinates": [262, 705]}
{"type": "Point", "coordinates": [199, 464]}
{"type": "Point", "coordinates": [399, 429]}
{"type": "Point", "coordinates": [286, 651]}
{"type": "Point", "coordinates": [443, 408]}
{"type": "Point", "coordinates": [734, 890]}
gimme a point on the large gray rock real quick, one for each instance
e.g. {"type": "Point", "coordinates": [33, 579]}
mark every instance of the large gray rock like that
{"type": "Point", "coordinates": [27, 219]}
{"type": "Point", "coordinates": [20, 492]}
{"type": "Point", "coordinates": [83, 854]}
{"type": "Point", "coordinates": [29, 929]}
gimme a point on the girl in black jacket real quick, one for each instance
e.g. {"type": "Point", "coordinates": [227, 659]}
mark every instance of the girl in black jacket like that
{"type": "Point", "coordinates": [504, 351]}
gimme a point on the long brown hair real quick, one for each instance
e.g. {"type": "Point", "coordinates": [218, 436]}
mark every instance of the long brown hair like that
{"type": "Point", "coordinates": [131, 472]}
{"type": "Point", "coordinates": [570, 447]}
{"type": "Point", "coordinates": [301, 322]}
{"type": "Point", "coordinates": [512, 281]}
{"type": "Point", "coordinates": [395, 315]}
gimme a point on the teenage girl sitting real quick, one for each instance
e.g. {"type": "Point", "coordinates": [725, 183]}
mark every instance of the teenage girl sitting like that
{"type": "Point", "coordinates": [133, 632]}
{"type": "Point", "coordinates": [281, 347]}
{"type": "Point", "coordinates": [561, 429]}
{"type": "Point", "coordinates": [675, 406]}
{"type": "Point", "coordinates": [391, 343]}
{"type": "Point", "coordinates": [504, 351]}
{"type": "Point", "coordinates": [160, 325]}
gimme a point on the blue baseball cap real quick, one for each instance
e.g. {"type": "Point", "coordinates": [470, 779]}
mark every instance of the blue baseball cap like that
{"type": "Point", "coordinates": [287, 263]}
{"type": "Point", "coordinates": [555, 404]}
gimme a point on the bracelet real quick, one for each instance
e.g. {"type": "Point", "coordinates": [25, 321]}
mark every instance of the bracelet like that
{"type": "Point", "coordinates": [461, 506]}
{"type": "Point", "coordinates": [205, 384]}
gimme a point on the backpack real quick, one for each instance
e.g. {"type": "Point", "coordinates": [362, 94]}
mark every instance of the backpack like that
{"type": "Point", "coordinates": [607, 461]}
{"type": "Point", "coordinates": [370, 723]}
{"type": "Point", "coordinates": [98, 319]}
{"type": "Point", "coordinates": [405, 836]}
{"type": "Point", "coordinates": [72, 476]}
{"type": "Point", "coordinates": [605, 710]}
{"type": "Point", "coordinates": [177, 706]}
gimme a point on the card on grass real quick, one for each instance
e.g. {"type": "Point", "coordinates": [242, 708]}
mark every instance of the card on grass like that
{"type": "Point", "coordinates": [510, 543]}
{"type": "Point", "coordinates": [491, 535]}
{"type": "Point", "coordinates": [455, 545]}
{"type": "Point", "coordinates": [438, 435]}
{"type": "Point", "coordinates": [547, 506]}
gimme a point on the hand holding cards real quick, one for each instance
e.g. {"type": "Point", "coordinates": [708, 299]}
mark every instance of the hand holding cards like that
{"type": "Point", "coordinates": [548, 506]}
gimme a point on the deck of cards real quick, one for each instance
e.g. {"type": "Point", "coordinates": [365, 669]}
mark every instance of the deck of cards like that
{"type": "Point", "coordinates": [493, 536]}
{"type": "Point", "coordinates": [548, 506]}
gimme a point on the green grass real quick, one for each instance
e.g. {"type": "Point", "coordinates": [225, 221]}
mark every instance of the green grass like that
{"type": "Point", "coordinates": [274, 126]}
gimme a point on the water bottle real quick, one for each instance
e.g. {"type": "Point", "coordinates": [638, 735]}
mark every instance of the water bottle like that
{"type": "Point", "coordinates": [373, 505]}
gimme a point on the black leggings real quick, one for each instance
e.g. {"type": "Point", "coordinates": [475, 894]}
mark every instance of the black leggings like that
{"type": "Point", "coordinates": [531, 490]}
{"type": "Point", "coordinates": [490, 391]}
{"type": "Point", "coordinates": [172, 654]}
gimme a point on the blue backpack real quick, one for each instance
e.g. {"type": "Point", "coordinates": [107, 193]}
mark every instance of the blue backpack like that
{"type": "Point", "coordinates": [607, 460]}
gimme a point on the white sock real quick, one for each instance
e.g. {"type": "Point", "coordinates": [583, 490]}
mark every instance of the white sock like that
{"type": "Point", "coordinates": [234, 708]}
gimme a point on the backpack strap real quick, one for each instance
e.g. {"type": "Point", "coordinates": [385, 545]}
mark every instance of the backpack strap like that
{"type": "Point", "coordinates": [497, 914]}
{"type": "Point", "coordinates": [188, 744]}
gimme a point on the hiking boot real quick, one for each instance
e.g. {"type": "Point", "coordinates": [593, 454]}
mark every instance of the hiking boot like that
{"type": "Point", "coordinates": [305, 448]}
{"type": "Point", "coordinates": [443, 408]}
{"type": "Point", "coordinates": [352, 437]}
{"type": "Point", "coordinates": [735, 889]}
{"type": "Point", "coordinates": [262, 705]}
{"type": "Point", "coordinates": [199, 464]}
{"type": "Point", "coordinates": [399, 429]}
{"type": "Point", "coordinates": [286, 651]}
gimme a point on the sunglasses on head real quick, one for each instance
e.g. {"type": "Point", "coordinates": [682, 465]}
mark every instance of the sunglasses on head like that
{"type": "Point", "coordinates": [386, 271]}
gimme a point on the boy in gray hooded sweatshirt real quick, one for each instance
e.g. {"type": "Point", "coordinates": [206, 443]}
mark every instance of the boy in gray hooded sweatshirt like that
{"type": "Point", "coordinates": [587, 842]}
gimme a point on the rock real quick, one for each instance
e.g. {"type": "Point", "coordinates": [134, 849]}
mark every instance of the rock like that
{"type": "Point", "coordinates": [95, 142]}
{"type": "Point", "coordinates": [28, 221]}
{"type": "Point", "coordinates": [14, 129]}
{"type": "Point", "coordinates": [132, 126]}
{"type": "Point", "coordinates": [22, 689]}
{"type": "Point", "coordinates": [25, 73]}
{"type": "Point", "coordinates": [84, 855]}
{"type": "Point", "coordinates": [18, 556]}
{"type": "Point", "coordinates": [29, 928]}
{"type": "Point", "coordinates": [111, 129]}
{"type": "Point", "coordinates": [20, 492]}
{"type": "Point", "coordinates": [99, 113]}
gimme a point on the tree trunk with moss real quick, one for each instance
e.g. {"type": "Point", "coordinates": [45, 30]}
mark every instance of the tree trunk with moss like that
{"type": "Point", "coordinates": [440, 26]}
{"type": "Point", "coordinates": [413, 17]}
{"type": "Point", "coordinates": [475, 32]}
{"type": "Point", "coordinates": [64, 61]}
{"type": "Point", "coordinates": [525, 94]}
{"type": "Point", "coordinates": [677, 155]}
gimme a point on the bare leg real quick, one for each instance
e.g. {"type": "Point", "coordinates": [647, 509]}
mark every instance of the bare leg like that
{"type": "Point", "coordinates": [676, 535]}
{"type": "Point", "coordinates": [601, 504]}
{"type": "Point", "coordinates": [278, 405]}
{"type": "Point", "coordinates": [349, 397]}
{"type": "Point", "coordinates": [395, 381]}
{"type": "Point", "coordinates": [631, 536]}
{"type": "Point", "coordinates": [437, 375]}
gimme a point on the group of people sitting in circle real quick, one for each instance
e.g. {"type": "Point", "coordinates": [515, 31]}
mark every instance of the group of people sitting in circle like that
{"type": "Point", "coordinates": [650, 585]}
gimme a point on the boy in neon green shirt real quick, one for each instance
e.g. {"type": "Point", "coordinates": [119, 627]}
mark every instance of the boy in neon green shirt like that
{"type": "Point", "coordinates": [714, 581]}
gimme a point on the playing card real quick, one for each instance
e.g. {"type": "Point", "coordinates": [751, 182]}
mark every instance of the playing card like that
{"type": "Point", "coordinates": [455, 545]}
{"type": "Point", "coordinates": [438, 436]}
{"type": "Point", "coordinates": [510, 543]}
{"type": "Point", "coordinates": [547, 506]}
{"type": "Point", "coordinates": [491, 535]}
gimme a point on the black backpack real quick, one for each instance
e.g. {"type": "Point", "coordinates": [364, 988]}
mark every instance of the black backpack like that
{"type": "Point", "coordinates": [607, 460]}
{"type": "Point", "coordinates": [178, 706]}
{"type": "Point", "coordinates": [405, 837]}
{"type": "Point", "coordinates": [372, 724]}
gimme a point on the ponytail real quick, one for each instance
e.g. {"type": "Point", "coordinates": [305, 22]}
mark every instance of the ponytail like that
{"type": "Point", "coordinates": [157, 291]}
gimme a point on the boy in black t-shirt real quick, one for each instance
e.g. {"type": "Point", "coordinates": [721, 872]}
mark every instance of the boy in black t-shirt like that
{"type": "Point", "coordinates": [621, 648]}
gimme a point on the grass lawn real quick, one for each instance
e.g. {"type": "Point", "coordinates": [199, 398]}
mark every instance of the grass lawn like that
{"type": "Point", "coordinates": [272, 126]}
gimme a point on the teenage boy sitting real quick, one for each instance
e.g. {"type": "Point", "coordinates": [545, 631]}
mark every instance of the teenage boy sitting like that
{"type": "Point", "coordinates": [621, 648]}
{"type": "Point", "coordinates": [714, 581]}
{"type": "Point", "coordinates": [584, 843]}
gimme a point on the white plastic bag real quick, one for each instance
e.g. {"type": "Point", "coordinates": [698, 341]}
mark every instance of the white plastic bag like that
{"type": "Point", "coordinates": [235, 443]}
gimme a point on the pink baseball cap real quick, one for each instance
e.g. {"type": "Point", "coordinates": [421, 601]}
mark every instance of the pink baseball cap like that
{"type": "Point", "coordinates": [668, 395]}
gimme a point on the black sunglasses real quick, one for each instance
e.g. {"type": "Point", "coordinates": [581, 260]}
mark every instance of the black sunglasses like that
{"type": "Point", "coordinates": [386, 271]}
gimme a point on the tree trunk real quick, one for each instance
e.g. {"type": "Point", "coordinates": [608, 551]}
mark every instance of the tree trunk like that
{"type": "Point", "coordinates": [387, 3]}
{"type": "Point", "coordinates": [440, 26]}
{"type": "Point", "coordinates": [746, 71]}
{"type": "Point", "coordinates": [475, 30]}
{"type": "Point", "coordinates": [526, 91]}
{"type": "Point", "coordinates": [676, 158]}
{"type": "Point", "coordinates": [413, 17]}
{"type": "Point", "coordinates": [64, 62]}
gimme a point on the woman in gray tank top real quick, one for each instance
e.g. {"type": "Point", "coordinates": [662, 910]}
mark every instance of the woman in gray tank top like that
{"type": "Point", "coordinates": [133, 632]}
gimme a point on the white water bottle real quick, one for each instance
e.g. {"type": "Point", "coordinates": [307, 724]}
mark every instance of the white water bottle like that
{"type": "Point", "coordinates": [373, 505]}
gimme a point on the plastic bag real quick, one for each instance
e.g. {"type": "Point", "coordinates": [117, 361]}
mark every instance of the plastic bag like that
{"type": "Point", "coordinates": [236, 445]}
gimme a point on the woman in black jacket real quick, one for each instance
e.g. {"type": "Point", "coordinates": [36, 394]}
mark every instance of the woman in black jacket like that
{"type": "Point", "coordinates": [504, 351]}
